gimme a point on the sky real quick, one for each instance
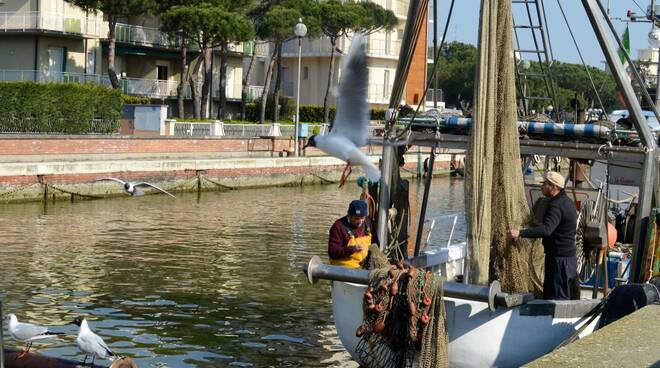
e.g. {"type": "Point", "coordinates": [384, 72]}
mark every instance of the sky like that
{"type": "Point", "coordinates": [464, 26]}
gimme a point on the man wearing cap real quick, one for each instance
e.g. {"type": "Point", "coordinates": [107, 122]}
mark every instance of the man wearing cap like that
{"type": "Point", "coordinates": [558, 233]}
{"type": "Point", "coordinates": [350, 237]}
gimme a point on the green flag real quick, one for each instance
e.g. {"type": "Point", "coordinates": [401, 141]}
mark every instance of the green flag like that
{"type": "Point", "coordinates": [625, 40]}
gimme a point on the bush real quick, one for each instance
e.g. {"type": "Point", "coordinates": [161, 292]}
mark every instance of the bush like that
{"type": "Point", "coordinates": [287, 107]}
{"type": "Point", "coordinates": [377, 114]}
{"type": "Point", "coordinates": [70, 108]}
{"type": "Point", "coordinates": [314, 113]}
{"type": "Point", "coordinates": [135, 100]}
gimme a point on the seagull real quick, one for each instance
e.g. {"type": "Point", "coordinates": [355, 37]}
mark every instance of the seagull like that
{"type": "Point", "coordinates": [349, 129]}
{"type": "Point", "coordinates": [27, 332]}
{"type": "Point", "coordinates": [132, 188]}
{"type": "Point", "coordinates": [91, 343]}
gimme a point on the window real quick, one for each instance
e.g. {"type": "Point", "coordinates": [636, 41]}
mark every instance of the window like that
{"type": "Point", "coordinates": [162, 72]}
{"type": "Point", "coordinates": [305, 73]}
{"type": "Point", "coordinates": [91, 62]}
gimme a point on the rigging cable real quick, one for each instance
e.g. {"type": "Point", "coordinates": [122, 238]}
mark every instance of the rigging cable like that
{"type": "Point", "coordinates": [436, 57]}
{"type": "Point", "coordinates": [570, 30]}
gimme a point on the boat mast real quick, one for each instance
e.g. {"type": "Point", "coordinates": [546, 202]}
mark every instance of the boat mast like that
{"type": "Point", "coordinates": [596, 15]}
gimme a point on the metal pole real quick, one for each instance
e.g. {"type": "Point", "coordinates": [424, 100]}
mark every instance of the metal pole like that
{"type": "Point", "coordinates": [648, 168]}
{"type": "Point", "coordinates": [493, 295]}
{"type": "Point", "coordinates": [295, 139]}
{"type": "Point", "coordinates": [435, 51]}
{"type": "Point", "coordinates": [425, 201]}
{"type": "Point", "coordinates": [385, 185]}
{"type": "Point", "coordinates": [2, 337]}
{"type": "Point", "coordinates": [657, 65]}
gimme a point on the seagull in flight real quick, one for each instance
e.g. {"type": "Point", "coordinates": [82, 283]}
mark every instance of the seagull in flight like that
{"type": "Point", "coordinates": [91, 343]}
{"type": "Point", "coordinates": [349, 129]}
{"type": "Point", "coordinates": [133, 189]}
{"type": "Point", "coordinates": [27, 332]}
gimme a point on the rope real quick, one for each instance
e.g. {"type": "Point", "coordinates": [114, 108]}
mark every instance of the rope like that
{"type": "Point", "coordinates": [591, 80]}
{"type": "Point", "coordinates": [218, 184]}
{"type": "Point", "coordinates": [89, 196]}
{"type": "Point", "coordinates": [183, 184]}
{"type": "Point", "coordinates": [433, 72]}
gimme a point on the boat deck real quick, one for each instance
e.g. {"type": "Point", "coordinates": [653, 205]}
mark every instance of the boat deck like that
{"type": "Point", "coordinates": [632, 339]}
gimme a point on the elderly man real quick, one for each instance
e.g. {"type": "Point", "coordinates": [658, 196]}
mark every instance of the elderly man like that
{"type": "Point", "coordinates": [558, 233]}
{"type": "Point", "coordinates": [350, 237]}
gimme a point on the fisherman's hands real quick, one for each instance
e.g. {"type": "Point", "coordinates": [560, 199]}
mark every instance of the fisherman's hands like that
{"type": "Point", "coordinates": [513, 233]}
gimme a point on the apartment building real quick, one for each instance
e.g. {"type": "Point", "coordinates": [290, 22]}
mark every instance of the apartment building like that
{"type": "Point", "coordinates": [52, 40]}
{"type": "Point", "coordinates": [383, 56]}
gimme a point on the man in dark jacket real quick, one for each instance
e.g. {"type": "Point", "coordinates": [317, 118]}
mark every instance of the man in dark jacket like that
{"type": "Point", "coordinates": [558, 233]}
{"type": "Point", "coordinates": [350, 237]}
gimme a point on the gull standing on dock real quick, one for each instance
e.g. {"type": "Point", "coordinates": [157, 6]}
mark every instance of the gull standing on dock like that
{"type": "Point", "coordinates": [350, 127]}
{"type": "Point", "coordinates": [27, 332]}
{"type": "Point", "coordinates": [133, 189]}
{"type": "Point", "coordinates": [91, 343]}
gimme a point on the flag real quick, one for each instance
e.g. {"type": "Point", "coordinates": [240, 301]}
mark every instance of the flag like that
{"type": "Point", "coordinates": [625, 40]}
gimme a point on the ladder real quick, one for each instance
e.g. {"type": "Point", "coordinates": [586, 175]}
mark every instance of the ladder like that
{"type": "Point", "coordinates": [532, 42]}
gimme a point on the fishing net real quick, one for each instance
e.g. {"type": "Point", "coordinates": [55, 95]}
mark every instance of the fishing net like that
{"type": "Point", "coordinates": [494, 191]}
{"type": "Point", "coordinates": [404, 316]}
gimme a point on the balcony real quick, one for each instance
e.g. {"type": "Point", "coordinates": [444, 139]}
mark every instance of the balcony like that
{"type": "Point", "coordinates": [152, 88]}
{"type": "Point", "coordinates": [49, 22]}
{"type": "Point", "coordinates": [311, 47]}
{"type": "Point", "coordinates": [144, 36]}
{"type": "Point", "coordinates": [47, 76]}
{"type": "Point", "coordinates": [378, 93]}
{"type": "Point", "coordinates": [383, 48]}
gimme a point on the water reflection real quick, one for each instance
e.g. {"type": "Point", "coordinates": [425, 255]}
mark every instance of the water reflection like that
{"type": "Point", "coordinates": [185, 282]}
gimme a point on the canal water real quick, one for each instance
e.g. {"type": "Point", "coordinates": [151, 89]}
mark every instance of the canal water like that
{"type": "Point", "coordinates": [197, 281]}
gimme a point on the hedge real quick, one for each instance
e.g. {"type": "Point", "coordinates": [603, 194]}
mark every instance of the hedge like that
{"type": "Point", "coordinates": [308, 113]}
{"type": "Point", "coordinates": [71, 108]}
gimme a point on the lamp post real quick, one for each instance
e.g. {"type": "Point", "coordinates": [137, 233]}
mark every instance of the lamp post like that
{"type": "Point", "coordinates": [300, 30]}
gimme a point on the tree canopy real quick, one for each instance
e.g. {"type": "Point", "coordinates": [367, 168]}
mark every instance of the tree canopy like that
{"type": "Point", "coordinates": [456, 71]}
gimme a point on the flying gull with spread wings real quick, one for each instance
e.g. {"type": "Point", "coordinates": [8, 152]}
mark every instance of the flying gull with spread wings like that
{"type": "Point", "coordinates": [133, 189]}
{"type": "Point", "coordinates": [350, 127]}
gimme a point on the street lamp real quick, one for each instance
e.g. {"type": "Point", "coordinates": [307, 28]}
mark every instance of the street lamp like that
{"type": "Point", "coordinates": [300, 30]}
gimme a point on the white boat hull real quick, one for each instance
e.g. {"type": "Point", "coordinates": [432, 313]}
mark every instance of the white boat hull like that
{"type": "Point", "coordinates": [477, 336]}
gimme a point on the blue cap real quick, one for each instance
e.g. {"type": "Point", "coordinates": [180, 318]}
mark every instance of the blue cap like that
{"type": "Point", "coordinates": [357, 208]}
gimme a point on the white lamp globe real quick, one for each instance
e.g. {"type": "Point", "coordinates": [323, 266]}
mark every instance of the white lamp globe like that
{"type": "Point", "coordinates": [525, 64]}
{"type": "Point", "coordinates": [654, 38]}
{"type": "Point", "coordinates": [300, 29]}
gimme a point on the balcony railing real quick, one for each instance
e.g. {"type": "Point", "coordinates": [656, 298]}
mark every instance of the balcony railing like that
{"type": "Point", "coordinates": [378, 93]}
{"type": "Point", "coordinates": [311, 47]}
{"type": "Point", "coordinates": [146, 36]}
{"type": "Point", "coordinates": [47, 76]}
{"type": "Point", "coordinates": [383, 48]}
{"type": "Point", "coordinates": [53, 22]}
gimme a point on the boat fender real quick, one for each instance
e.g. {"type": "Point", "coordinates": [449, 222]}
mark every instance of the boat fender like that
{"type": "Point", "coordinates": [383, 289]}
{"type": "Point", "coordinates": [412, 272]}
{"type": "Point", "coordinates": [360, 331]}
{"type": "Point", "coordinates": [427, 276]}
{"type": "Point", "coordinates": [368, 296]}
{"type": "Point", "coordinates": [424, 319]}
{"type": "Point", "coordinates": [379, 326]}
{"type": "Point", "coordinates": [394, 289]}
{"type": "Point", "coordinates": [371, 306]}
{"type": "Point", "coordinates": [379, 308]}
{"type": "Point", "coordinates": [427, 300]}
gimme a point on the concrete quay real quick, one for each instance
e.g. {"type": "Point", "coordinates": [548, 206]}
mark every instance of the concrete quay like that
{"type": "Point", "coordinates": [632, 341]}
{"type": "Point", "coordinates": [52, 168]}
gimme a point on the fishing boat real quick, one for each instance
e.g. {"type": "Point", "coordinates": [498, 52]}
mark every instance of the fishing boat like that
{"type": "Point", "coordinates": [485, 326]}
